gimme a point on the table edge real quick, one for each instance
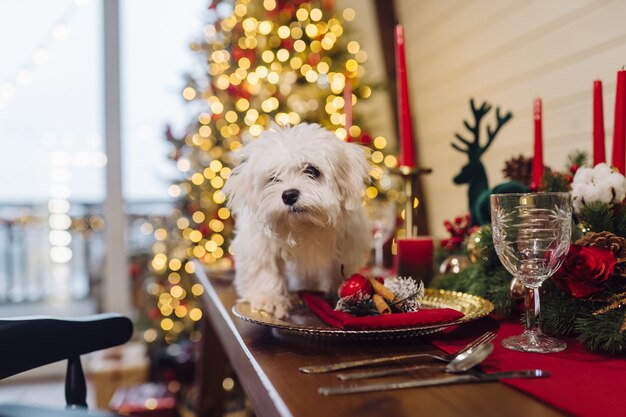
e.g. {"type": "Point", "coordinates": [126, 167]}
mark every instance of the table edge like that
{"type": "Point", "coordinates": [280, 406]}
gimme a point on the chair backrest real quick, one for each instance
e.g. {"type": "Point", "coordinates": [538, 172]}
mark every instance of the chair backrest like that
{"type": "Point", "coordinates": [29, 342]}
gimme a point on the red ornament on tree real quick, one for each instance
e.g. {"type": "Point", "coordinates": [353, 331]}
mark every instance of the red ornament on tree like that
{"type": "Point", "coordinates": [356, 284]}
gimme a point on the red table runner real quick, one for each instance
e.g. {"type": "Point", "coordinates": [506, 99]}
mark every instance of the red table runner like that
{"type": "Point", "coordinates": [582, 383]}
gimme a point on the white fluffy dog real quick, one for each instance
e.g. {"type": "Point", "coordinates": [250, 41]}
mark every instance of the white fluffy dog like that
{"type": "Point", "coordinates": [296, 196]}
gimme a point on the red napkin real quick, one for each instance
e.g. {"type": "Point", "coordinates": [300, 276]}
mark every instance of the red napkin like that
{"type": "Point", "coordinates": [318, 304]}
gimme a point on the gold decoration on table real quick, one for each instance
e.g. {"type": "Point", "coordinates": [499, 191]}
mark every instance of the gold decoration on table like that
{"type": "Point", "coordinates": [615, 301]}
{"type": "Point", "coordinates": [304, 322]}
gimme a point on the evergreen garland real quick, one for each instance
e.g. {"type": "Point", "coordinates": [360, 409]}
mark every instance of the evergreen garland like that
{"type": "Point", "coordinates": [598, 217]}
{"type": "Point", "coordinates": [598, 322]}
{"type": "Point", "coordinates": [561, 314]}
{"type": "Point", "coordinates": [601, 333]}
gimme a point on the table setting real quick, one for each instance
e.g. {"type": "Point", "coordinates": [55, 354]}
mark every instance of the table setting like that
{"type": "Point", "coordinates": [530, 294]}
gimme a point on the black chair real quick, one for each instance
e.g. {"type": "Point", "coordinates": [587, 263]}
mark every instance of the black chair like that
{"type": "Point", "coordinates": [30, 342]}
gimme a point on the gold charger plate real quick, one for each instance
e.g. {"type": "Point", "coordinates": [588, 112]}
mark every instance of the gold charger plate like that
{"type": "Point", "coordinates": [303, 321]}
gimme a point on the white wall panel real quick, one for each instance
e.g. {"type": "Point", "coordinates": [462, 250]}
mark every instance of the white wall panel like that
{"type": "Point", "coordinates": [507, 52]}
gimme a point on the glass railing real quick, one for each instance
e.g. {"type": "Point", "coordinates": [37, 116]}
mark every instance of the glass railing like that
{"type": "Point", "coordinates": [49, 255]}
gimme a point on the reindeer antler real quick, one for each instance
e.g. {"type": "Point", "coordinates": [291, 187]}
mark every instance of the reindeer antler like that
{"type": "Point", "coordinates": [501, 121]}
{"type": "Point", "coordinates": [474, 149]}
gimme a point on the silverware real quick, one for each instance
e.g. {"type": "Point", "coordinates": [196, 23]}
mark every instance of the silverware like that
{"type": "Point", "coordinates": [461, 363]}
{"type": "Point", "coordinates": [318, 369]}
{"type": "Point", "coordinates": [467, 378]}
{"type": "Point", "coordinates": [375, 373]}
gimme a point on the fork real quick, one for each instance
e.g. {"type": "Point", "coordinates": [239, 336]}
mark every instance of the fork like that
{"type": "Point", "coordinates": [319, 369]}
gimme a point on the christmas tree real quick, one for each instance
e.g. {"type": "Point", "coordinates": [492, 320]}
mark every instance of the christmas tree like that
{"type": "Point", "coordinates": [262, 62]}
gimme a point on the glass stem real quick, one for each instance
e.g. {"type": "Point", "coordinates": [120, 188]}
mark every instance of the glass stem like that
{"type": "Point", "coordinates": [533, 310]}
{"type": "Point", "coordinates": [378, 253]}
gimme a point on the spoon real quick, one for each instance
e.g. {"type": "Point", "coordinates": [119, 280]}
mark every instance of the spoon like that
{"type": "Point", "coordinates": [460, 363]}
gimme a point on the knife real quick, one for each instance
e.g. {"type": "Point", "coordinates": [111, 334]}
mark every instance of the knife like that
{"type": "Point", "coordinates": [467, 378]}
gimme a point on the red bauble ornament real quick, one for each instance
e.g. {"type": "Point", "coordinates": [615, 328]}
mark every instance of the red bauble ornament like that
{"type": "Point", "coordinates": [356, 284]}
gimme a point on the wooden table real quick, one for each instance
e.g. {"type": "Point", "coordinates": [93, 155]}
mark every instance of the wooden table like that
{"type": "Point", "coordinates": [267, 363]}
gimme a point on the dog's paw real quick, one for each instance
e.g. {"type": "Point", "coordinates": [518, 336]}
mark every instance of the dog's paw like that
{"type": "Point", "coordinates": [277, 305]}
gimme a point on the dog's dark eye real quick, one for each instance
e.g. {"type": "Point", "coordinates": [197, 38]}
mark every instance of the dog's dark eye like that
{"type": "Point", "coordinates": [273, 179]}
{"type": "Point", "coordinates": [312, 171]}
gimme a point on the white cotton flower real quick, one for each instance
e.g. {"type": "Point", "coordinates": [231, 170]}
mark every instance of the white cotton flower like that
{"type": "Point", "coordinates": [598, 184]}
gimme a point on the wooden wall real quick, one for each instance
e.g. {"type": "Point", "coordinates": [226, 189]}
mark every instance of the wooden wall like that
{"type": "Point", "coordinates": [507, 52]}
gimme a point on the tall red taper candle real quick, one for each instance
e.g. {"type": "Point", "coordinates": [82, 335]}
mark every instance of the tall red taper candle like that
{"type": "Point", "coordinates": [347, 107]}
{"type": "Point", "coordinates": [407, 152]}
{"type": "Point", "coordinates": [619, 130]}
{"type": "Point", "coordinates": [538, 148]}
{"type": "Point", "coordinates": [599, 152]}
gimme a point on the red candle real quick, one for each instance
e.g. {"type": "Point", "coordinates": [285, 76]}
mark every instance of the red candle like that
{"type": "Point", "coordinates": [619, 130]}
{"type": "Point", "coordinates": [414, 258]}
{"type": "Point", "coordinates": [599, 153]}
{"type": "Point", "coordinates": [347, 106]}
{"type": "Point", "coordinates": [538, 149]}
{"type": "Point", "coordinates": [407, 152]}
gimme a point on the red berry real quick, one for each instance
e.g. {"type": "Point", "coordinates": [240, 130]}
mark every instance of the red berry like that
{"type": "Point", "coordinates": [356, 284]}
{"type": "Point", "coordinates": [458, 220]}
{"type": "Point", "coordinates": [574, 168]}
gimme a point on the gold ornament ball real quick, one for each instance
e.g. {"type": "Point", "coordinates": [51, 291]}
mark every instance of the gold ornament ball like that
{"type": "Point", "coordinates": [583, 227]}
{"type": "Point", "coordinates": [473, 245]}
{"type": "Point", "coordinates": [453, 264]}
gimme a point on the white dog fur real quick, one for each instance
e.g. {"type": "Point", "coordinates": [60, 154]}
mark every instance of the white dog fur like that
{"type": "Point", "coordinates": [296, 195]}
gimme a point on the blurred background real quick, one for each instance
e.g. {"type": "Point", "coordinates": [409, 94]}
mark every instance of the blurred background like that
{"type": "Point", "coordinates": [117, 118]}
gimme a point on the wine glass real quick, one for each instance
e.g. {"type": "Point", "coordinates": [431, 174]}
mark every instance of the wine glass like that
{"type": "Point", "coordinates": [381, 219]}
{"type": "Point", "coordinates": [531, 235]}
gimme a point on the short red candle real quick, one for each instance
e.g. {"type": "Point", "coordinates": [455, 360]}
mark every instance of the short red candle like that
{"type": "Point", "coordinates": [407, 152]}
{"type": "Point", "coordinates": [619, 130]}
{"type": "Point", "coordinates": [599, 152]}
{"type": "Point", "coordinates": [538, 147]}
{"type": "Point", "coordinates": [414, 258]}
{"type": "Point", "coordinates": [347, 107]}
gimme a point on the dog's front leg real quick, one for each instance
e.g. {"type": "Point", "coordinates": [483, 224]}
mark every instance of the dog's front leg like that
{"type": "Point", "coordinates": [259, 277]}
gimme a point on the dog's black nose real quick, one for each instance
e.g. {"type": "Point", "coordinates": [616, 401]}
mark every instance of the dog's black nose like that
{"type": "Point", "coordinates": [290, 196]}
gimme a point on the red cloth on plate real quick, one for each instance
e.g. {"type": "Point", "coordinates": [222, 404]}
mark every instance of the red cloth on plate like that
{"type": "Point", "coordinates": [320, 306]}
{"type": "Point", "coordinates": [581, 383]}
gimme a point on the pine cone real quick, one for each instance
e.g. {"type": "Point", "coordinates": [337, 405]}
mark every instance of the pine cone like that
{"type": "Point", "coordinates": [519, 169]}
{"type": "Point", "coordinates": [610, 241]}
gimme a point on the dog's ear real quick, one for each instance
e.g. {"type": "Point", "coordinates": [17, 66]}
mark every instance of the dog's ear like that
{"type": "Point", "coordinates": [237, 187]}
{"type": "Point", "coordinates": [356, 169]}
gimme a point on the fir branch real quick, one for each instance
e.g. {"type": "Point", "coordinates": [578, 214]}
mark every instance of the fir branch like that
{"type": "Point", "coordinates": [578, 158]}
{"type": "Point", "coordinates": [357, 305]}
{"type": "Point", "coordinates": [557, 310]}
{"type": "Point", "coordinates": [598, 216]}
{"type": "Point", "coordinates": [554, 181]}
{"type": "Point", "coordinates": [620, 222]}
{"type": "Point", "coordinates": [602, 333]}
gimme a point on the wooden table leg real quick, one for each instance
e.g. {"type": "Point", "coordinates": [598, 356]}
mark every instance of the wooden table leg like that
{"type": "Point", "coordinates": [210, 373]}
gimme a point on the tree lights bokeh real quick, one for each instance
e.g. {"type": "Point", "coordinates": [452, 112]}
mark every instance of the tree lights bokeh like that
{"type": "Point", "coordinates": [262, 62]}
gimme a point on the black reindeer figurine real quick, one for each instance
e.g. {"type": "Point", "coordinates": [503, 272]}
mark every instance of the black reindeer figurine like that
{"type": "Point", "coordinates": [473, 173]}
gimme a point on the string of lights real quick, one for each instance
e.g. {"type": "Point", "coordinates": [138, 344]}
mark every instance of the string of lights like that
{"type": "Point", "coordinates": [40, 55]}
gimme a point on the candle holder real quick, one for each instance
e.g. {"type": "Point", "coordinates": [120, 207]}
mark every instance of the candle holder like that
{"type": "Point", "coordinates": [409, 178]}
{"type": "Point", "coordinates": [414, 255]}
